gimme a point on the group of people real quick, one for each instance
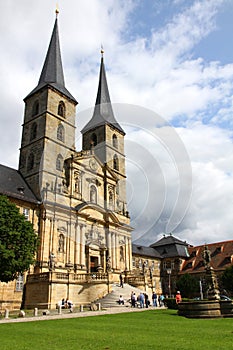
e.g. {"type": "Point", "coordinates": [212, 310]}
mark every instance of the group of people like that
{"type": "Point", "coordinates": [142, 300]}
{"type": "Point", "coordinates": [65, 303]}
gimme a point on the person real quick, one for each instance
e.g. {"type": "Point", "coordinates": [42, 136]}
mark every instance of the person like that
{"type": "Point", "coordinates": [133, 299]}
{"type": "Point", "coordinates": [154, 299]}
{"type": "Point", "coordinates": [121, 280]}
{"type": "Point", "coordinates": [147, 302]}
{"type": "Point", "coordinates": [141, 300]}
{"type": "Point", "coordinates": [161, 299]}
{"type": "Point", "coordinates": [178, 297]}
{"type": "Point", "coordinates": [121, 300]}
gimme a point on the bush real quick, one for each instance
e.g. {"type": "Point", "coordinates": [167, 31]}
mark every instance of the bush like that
{"type": "Point", "coordinates": [171, 303]}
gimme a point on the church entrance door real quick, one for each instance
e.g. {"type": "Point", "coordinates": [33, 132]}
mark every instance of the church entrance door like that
{"type": "Point", "coordinates": [94, 263]}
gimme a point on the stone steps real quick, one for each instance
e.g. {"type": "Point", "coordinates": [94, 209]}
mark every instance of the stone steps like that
{"type": "Point", "coordinates": [111, 299]}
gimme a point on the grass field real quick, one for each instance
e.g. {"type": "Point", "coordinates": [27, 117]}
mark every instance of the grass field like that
{"type": "Point", "coordinates": [153, 329]}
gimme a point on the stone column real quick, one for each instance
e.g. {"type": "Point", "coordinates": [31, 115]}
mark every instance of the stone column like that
{"type": "Point", "coordinates": [82, 245]}
{"type": "Point", "coordinates": [113, 250]}
{"type": "Point", "coordinates": [77, 245]}
{"type": "Point", "coordinates": [129, 254]}
{"type": "Point", "coordinates": [116, 250]}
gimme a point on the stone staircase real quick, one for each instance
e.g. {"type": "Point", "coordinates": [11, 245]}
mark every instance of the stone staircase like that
{"type": "Point", "coordinates": [111, 299]}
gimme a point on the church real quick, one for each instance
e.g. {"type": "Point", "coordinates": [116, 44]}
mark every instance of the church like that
{"type": "Point", "coordinates": [77, 201]}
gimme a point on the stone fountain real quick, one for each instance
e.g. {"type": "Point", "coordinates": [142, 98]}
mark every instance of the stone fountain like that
{"type": "Point", "coordinates": [212, 306]}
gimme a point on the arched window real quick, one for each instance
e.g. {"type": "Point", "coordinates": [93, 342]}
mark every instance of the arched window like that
{"type": "Point", "coordinates": [93, 194]}
{"type": "Point", "coordinates": [59, 162]}
{"type": "Point", "coordinates": [61, 133]}
{"type": "Point", "coordinates": [30, 162]}
{"type": "Point", "coordinates": [33, 132]}
{"type": "Point", "coordinates": [61, 109]}
{"type": "Point", "coordinates": [94, 139]}
{"type": "Point", "coordinates": [114, 141]}
{"type": "Point", "coordinates": [35, 108]}
{"type": "Point", "coordinates": [115, 162]}
{"type": "Point", "coordinates": [61, 243]}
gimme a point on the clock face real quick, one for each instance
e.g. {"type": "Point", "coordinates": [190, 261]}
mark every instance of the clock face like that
{"type": "Point", "coordinates": [93, 164]}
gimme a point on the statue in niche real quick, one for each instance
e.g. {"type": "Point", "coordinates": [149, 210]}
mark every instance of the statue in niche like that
{"type": "Point", "coordinates": [61, 243]}
{"type": "Point", "coordinates": [51, 261]}
{"type": "Point", "coordinates": [108, 263]}
{"type": "Point", "coordinates": [77, 182]}
{"type": "Point", "coordinates": [110, 199]}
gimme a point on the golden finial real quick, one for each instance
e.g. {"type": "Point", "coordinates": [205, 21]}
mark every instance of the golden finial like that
{"type": "Point", "coordinates": [57, 10]}
{"type": "Point", "coordinates": [102, 51]}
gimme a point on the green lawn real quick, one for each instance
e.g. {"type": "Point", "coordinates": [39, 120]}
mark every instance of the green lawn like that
{"type": "Point", "coordinates": [153, 329]}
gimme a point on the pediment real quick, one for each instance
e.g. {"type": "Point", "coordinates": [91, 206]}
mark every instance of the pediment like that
{"type": "Point", "coordinates": [95, 212]}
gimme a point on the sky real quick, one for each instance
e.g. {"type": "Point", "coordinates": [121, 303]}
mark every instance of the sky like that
{"type": "Point", "coordinates": [169, 67]}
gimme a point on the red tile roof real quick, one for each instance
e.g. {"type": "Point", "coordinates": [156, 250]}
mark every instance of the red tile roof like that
{"type": "Point", "coordinates": [221, 257]}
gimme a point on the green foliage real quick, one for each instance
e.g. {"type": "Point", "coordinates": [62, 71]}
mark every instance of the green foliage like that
{"type": "Point", "coordinates": [188, 285]}
{"type": "Point", "coordinates": [171, 303]}
{"type": "Point", "coordinates": [18, 241]}
{"type": "Point", "coordinates": [227, 279]}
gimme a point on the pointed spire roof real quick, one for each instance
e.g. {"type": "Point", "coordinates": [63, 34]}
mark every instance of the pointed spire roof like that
{"type": "Point", "coordinates": [103, 112]}
{"type": "Point", "coordinates": [52, 71]}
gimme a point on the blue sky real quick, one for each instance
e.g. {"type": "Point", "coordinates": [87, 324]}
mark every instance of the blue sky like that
{"type": "Point", "coordinates": [171, 58]}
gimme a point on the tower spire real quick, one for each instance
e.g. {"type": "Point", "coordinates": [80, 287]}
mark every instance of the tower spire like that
{"type": "Point", "coordinates": [103, 112]}
{"type": "Point", "coordinates": [52, 71]}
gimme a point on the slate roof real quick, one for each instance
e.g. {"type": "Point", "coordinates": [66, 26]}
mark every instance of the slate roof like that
{"type": "Point", "coordinates": [145, 251]}
{"type": "Point", "coordinates": [168, 240]}
{"type": "Point", "coordinates": [170, 246]}
{"type": "Point", "coordinates": [12, 184]}
{"type": "Point", "coordinates": [103, 112]}
{"type": "Point", "coordinates": [52, 72]}
{"type": "Point", "coordinates": [221, 257]}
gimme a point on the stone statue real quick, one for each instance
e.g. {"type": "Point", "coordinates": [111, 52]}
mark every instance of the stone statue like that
{"type": "Point", "coordinates": [108, 265]}
{"type": "Point", "coordinates": [210, 277]}
{"type": "Point", "coordinates": [52, 261]}
{"type": "Point", "coordinates": [207, 257]}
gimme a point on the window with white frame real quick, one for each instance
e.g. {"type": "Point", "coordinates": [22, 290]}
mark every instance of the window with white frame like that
{"type": "Point", "coordinates": [19, 284]}
{"type": "Point", "coordinates": [26, 213]}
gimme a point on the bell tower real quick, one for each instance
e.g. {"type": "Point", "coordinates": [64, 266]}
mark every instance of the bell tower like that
{"type": "Point", "coordinates": [105, 137]}
{"type": "Point", "coordinates": [48, 135]}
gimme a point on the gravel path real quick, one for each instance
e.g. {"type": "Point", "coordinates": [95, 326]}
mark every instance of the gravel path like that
{"type": "Point", "coordinates": [113, 310]}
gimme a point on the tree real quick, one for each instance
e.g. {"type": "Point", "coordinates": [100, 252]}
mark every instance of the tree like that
{"type": "Point", "coordinates": [227, 279]}
{"type": "Point", "coordinates": [18, 241]}
{"type": "Point", "coordinates": [188, 285]}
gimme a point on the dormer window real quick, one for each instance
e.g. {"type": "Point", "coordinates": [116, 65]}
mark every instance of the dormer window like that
{"type": "Point", "coordinates": [61, 109]}
{"type": "Point", "coordinates": [193, 254]}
